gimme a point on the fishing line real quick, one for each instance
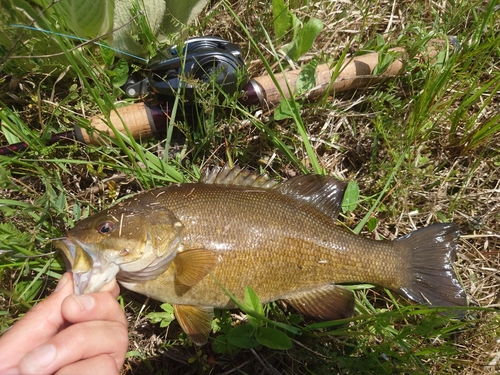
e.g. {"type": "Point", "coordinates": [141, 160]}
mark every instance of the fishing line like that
{"type": "Point", "coordinates": [103, 45]}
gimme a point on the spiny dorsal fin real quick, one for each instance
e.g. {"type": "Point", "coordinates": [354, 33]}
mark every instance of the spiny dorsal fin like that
{"type": "Point", "coordinates": [236, 176]}
{"type": "Point", "coordinates": [331, 302]}
{"type": "Point", "coordinates": [192, 265]}
{"type": "Point", "coordinates": [323, 192]}
{"type": "Point", "coordinates": [196, 321]}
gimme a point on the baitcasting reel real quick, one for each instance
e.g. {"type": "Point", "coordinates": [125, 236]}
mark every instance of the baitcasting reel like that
{"type": "Point", "coordinates": [203, 59]}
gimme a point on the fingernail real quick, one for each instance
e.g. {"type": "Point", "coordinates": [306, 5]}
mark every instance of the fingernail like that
{"type": "Point", "coordinates": [86, 302]}
{"type": "Point", "coordinates": [62, 281]}
{"type": "Point", "coordinates": [40, 358]}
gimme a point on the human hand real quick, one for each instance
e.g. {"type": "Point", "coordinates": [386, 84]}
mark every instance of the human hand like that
{"type": "Point", "coordinates": [68, 334]}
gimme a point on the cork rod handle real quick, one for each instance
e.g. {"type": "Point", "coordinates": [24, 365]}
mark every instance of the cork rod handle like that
{"type": "Point", "coordinates": [355, 73]}
{"type": "Point", "coordinates": [136, 118]}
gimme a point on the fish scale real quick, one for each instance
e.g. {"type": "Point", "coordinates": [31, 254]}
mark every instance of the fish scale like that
{"type": "Point", "coordinates": [187, 244]}
{"type": "Point", "coordinates": [307, 249]}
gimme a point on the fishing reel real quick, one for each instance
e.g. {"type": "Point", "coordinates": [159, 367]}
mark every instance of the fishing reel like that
{"type": "Point", "coordinates": [211, 60]}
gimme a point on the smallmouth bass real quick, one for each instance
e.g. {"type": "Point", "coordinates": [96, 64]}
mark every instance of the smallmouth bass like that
{"type": "Point", "coordinates": [176, 243]}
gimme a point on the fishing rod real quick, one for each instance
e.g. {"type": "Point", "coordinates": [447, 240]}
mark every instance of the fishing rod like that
{"type": "Point", "coordinates": [216, 61]}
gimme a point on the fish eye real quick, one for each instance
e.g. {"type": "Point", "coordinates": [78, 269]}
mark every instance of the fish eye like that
{"type": "Point", "coordinates": [105, 227]}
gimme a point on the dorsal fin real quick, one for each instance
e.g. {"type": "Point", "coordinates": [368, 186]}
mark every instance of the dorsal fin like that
{"type": "Point", "coordinates": [236, 176]}
{"type": "Point", "coordinates": [323, 192]}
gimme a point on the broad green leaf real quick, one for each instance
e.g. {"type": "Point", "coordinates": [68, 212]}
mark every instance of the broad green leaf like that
{"type": "Point", "coordinates": [107, 54]}
{"type": "Point", "coordinates": [180, 13]}
{"type": "Point", "coordinates": [351, 196]}
{"type": "Point", "coordinates": [283, 110]}
{"type": "Point", "coordinates": [133, 21]}
{"type": "Point", "coordinates": [166, 20]}
{"type": "Point", "coordinates": [385, 59]}
{"type": "Point", "coordinates": [222, 345]}
{"type": "Point", "coordinates": [168, 308]}
{"type": "Point", "coordinates": [304, 40]}
{"type": "Point", "coordinates": [165, 317]}
{"type": "Point", "coordinates": [381, 41]}
{"type": "Point", "coordinates": [120, 75]}
{"type": "Point", "coordinates": [242, 337]}
{"type": "Point", "coordinates": [282, 19]}
{"type": "Point", "coordinates": [307, 35]}
{"type": "Point", "coordinates": [87, 18]}
{"type": "Point", "coordinates": [272, 338]}
{"type": "Point", "coordinates": [252, 300]}
{"type": "Point", "coordinates": [77, 212]}
{"type": "Point", "coordinates": [307, 78]}
{"type": "Point", "coordinates": [371, 224]}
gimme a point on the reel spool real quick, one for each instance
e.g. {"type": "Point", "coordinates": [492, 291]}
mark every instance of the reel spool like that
{"type": "Point", "coordinates": [209, 60]}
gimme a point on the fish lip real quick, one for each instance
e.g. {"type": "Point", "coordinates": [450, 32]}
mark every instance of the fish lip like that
{"type": "Point", "coordinates": [81, 277]}
{"type": "Point", "coordinates": [92, 271]}
{"type": "Point", "coordinates": [70, 248]}
{"type": "Point", "coordinates": [67, 247]}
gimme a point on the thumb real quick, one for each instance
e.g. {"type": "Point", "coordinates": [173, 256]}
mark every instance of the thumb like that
{"type": "Point", "coordinates": [40, 324]}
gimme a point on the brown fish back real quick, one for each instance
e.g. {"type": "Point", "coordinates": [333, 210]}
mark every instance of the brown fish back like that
{"type": "Point", "coordinates": [272, 242]}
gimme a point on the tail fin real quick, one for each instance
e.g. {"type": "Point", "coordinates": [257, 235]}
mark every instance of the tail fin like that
{"type": "Point", "coordinates": [431, 278]}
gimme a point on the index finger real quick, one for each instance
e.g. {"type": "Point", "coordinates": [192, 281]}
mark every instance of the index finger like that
{"type": "Point", "coordinates": [95, 306]}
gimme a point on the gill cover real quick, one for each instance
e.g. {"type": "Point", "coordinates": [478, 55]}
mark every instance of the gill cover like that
{"type": "Point", "coordinates": [138, 243]}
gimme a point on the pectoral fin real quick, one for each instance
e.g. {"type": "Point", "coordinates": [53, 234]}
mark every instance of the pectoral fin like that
{"type": "Point", "coordinates": [328, 303]}
{"type": "Point", "coordinates": [196, 321]}
{"type": "Point", "coordinates": [191, 266]}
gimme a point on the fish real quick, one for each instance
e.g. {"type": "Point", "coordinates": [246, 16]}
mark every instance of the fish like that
{"type": "Point", "coordinates": [235, 228]}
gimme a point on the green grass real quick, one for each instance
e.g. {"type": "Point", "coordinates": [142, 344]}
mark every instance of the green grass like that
{"type": "Point", "coordinates": [422, 147]}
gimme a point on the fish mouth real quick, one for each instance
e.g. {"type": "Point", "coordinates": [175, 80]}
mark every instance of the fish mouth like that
{"type": "Point", "coordinates": [89, 275]}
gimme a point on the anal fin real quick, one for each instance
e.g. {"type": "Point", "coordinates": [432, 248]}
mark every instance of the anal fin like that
{"type": "Point", "coordinates": [196, 321]}
{"type": "Point", "coordinates": [192, 265]}
{"type": "Point", "coordinates": [330, 302]}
